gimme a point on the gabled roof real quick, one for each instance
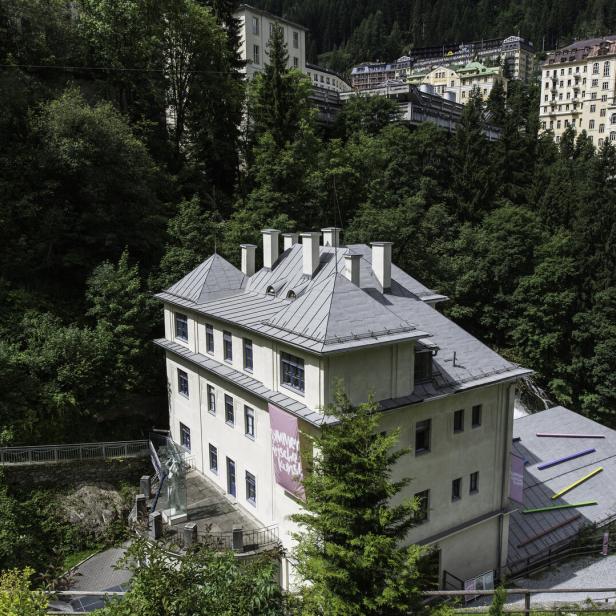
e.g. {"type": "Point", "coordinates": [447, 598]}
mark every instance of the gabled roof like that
{"type": "Point", "coordinates": [215, 277]}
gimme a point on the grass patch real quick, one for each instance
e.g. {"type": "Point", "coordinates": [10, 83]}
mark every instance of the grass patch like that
{"type": "Point", "coordinates": [70, 560]}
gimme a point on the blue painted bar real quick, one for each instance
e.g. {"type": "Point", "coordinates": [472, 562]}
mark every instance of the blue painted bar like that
{"type": "Point", "coordinates": [573, 456]}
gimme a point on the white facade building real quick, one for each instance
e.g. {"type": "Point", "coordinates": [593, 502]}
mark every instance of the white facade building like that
{"type": "Point", "coordinates": [316, 314]}
{"type": "Point", "coordinates": [255, 31]}
{"type": "Point", "coordinates": [578, 90]}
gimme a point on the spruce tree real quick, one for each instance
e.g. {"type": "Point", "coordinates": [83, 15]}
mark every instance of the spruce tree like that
{"type": "Point", "coordinates": [349, 548]}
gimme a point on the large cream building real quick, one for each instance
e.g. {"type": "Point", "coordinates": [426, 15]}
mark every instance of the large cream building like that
{"type": "Point", "coordinates": [457, 82]}
{"type": "Point", "coordinates": [241, 344]}
{"type": "Point", "coordinates": [578, 89]}
{"type": "Point", "coordinates": [255, 31]}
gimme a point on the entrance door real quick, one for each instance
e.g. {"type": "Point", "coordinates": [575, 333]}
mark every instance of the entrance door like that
{"type": "Point", "coordinates": [230, 476]}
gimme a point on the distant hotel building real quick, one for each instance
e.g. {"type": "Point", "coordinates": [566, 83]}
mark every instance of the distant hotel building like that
{"type": "Point", "coordinates": [578, 89]}
{"type": "Point", "coordinates": [255, 30]}
{"type": "Point", "coordinates": [514, 54]}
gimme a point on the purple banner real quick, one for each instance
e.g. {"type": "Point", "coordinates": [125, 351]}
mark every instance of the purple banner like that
{"type": "Point", "coordinates": [516, 486]}
{"type": "Point", "coordinates": [285, 451]}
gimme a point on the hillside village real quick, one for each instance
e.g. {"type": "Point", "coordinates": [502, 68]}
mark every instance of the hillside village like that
{"type": "Point", "coordinates": [302, 333]}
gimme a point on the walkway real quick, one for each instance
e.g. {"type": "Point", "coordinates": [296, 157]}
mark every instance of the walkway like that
{"type": "Point", "coordinates": [210, 507]}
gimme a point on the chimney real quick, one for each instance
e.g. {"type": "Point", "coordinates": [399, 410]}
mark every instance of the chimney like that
{"type": "Point", "coordinates": [248, 259]}
{"type": "Point", "coordinates": [351, 268]}
{"type": "Point", "coordinates": [310, 252]}
{"type": "Point", "coordinates": [381, 264]}
{"type": "Point", "coordinates": [288, 239]}
{"type": "Point", "coordinates": [270, 247]}
{"type": "Point", "coordinates": [331, 236]}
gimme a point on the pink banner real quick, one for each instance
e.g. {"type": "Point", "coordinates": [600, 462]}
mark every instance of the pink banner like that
{"type": "Point", "coordinates": [516, 487]}
{"type": "Point", "coordinates": [285, 451]}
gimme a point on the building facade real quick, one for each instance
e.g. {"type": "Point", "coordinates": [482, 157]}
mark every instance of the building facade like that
{"type": "Point", "coordinates": [457, 82]}
{"type": "Point", "coordinates": [244, 346]}
{"type": "Point", "coordinates": [578, 90]}
{"type": "Point", "coordinates": [514, 55]}
{"type": "Point", "coordinates": [255, 31]}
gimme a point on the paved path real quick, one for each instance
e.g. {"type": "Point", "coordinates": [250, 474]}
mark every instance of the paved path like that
{"type": "Point", "coordinates": [96, 573]}
{"type": "Point", "coordinates": [583, 572]}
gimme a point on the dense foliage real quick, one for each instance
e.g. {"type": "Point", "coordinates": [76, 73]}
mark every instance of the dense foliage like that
{"type": "Point", "coordinates": [201, 582]}
{"type": "Point", "coordinates": [346, 32]}
{"type": "Point", "coordinates": [17, 598]}
{"type": "Point", "coordinates": [349, 544]}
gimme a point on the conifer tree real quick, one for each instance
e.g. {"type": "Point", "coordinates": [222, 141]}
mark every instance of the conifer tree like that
{"type": "Point", "coordinates": [279, 95]}
{"type": "Point", "coordinates": [349, 550]}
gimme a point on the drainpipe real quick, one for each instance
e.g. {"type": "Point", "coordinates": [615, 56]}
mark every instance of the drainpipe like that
{"type": "Point", "coordinates": [503, 483]}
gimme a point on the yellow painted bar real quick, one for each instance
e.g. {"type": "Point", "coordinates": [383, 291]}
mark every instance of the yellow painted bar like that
{"type": "Point", "coordinates": [575, 484]}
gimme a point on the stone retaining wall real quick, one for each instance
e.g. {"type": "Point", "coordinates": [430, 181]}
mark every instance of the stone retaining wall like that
{"type": "Point", "coordinates": [73, 473]}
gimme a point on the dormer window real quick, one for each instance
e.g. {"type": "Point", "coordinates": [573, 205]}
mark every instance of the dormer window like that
{"type": "Point", "coordinates": [423, 366]}
{"type": "Point", "coordinates": [291, 295]}
{"type": "Point", "coordinates": [270, 291]}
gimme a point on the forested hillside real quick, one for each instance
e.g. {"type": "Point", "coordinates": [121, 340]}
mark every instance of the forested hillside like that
{"type": "Point", "coordinates": [103, 204]}
{"type": "Point", "coordinates": [345, 32]}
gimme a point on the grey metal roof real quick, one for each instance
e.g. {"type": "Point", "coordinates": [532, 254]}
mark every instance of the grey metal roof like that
{"type": "Point", "coordinates": [540, 485]}
{"type": "Point", "coordinates": [213, 278]}
{"type": "Point", "coordinates": [247, 383]}
{"type": "Point", "coordinates": [330, 314]}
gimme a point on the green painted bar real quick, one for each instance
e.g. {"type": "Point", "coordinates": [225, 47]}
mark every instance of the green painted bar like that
{"type": "Point", "coordinates": [567, 506]}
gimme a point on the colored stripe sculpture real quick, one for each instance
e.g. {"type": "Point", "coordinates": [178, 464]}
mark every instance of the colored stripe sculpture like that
{"type": "Point", "coordinates": [573, 456]}
{"type": "Point", "coordinates": [557, 435]}
{"type": "Point", "coordinates": [575, 484]}
{"type": "Point", "coordinates": [566, 506]}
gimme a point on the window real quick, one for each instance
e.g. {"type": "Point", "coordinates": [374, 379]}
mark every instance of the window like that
{"type": "Point", "coordinates": [249, 422]}
{"type": "Point", "coordinates": [595, 68]}
{"type": "Point", "coordinates": [422, 436]}
{"type": "Point", "coordinates": [458, 421]}
{"type": "Point", "coordinates": [605, 85]}
{"type": "Point", "coordinates": [256, 54]}
{"type": "Point", "coordinates": [593, 108]}
{"type": "Point", "coordinates": [251, 488]}
{"type": "Point", "coordinates": [295, 62]}
{"type": "Point", "coordinates": [602, 113]}
{"type": "Point", "coordinates": [606, 69]}
{"type": "Point", "coordinates": [229, 413]}
{"type": "Point", "coordinates": [456, 487]}
{"type": "Point", "coordinates": [292, 371]}
{"type": "Point", "coordinates": [209, 338]}
{"type": "Point", "coordinates": [591, 124]}
{"type": "Point", "coordinates": [613, 118]}
{"type": "Point", "coordinates": [474, 483]}
{"type": "Point", "coordinates": [593, 96]}
{"type": "Point", "coordinates": [613, 136]}
{"type": "Point", "coordinates": [595, 83]}
{"type": "Point", "coordinates": [231, 477]}
{"type": "Point", "coordinates": [476, 416]}
{"type": "Point", "coordinates": [181, 326]}
{"type": "Point", "coordinates": [248, 354]}
{"type": "Point", "coordinates": [604, 98]}
{"type": "Point", "coordinates": [213, 459]}
{"type": "Point", "coordinates": [211, 400]}
{"type": "Point", "coordinates": [423, 366]}
{"type": "Point", "coordinates": [255, 25]}
{"type": "Point", "coordinates": [423, 512]}
{"type": "Point", "coordinates": [227, 346]}
{"type": "Point", "coordinates": [185, 436]}
{"type": "Point", "coordinates": [295, 40]}
{"type": "Point", "coordinates": [182, 382]}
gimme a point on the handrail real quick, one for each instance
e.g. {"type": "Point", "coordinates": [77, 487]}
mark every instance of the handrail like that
{"type": "Point", "coordinates": [34, 454]}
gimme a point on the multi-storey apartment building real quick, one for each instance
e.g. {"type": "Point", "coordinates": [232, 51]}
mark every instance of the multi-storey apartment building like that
{"type": "Point", "coordinates": [458, 81]}
{"type": "Point", "coordinates": [253, 359]}
{"type": "Point", "coordinates": [514, 54]}
{"type": "Point", "coordinates": [255, 30]}
{"type": "Point", "coordinates": [578, 89]}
